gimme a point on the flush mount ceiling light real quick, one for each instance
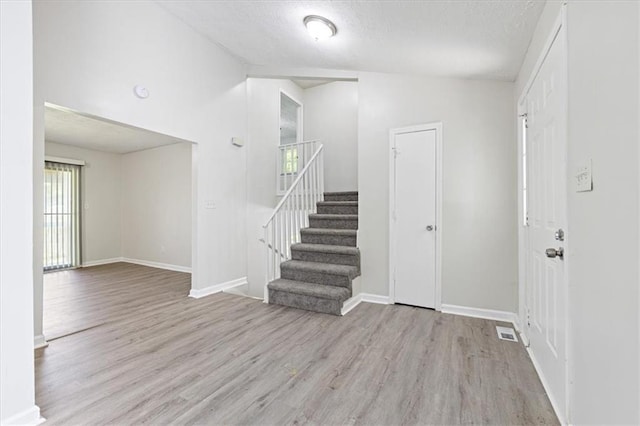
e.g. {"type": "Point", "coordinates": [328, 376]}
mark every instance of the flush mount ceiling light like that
{"type": "Point", "coordinates": [320, 28]}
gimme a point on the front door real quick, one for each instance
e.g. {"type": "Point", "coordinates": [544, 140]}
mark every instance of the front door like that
{"type": "Point", "coordinates": [414, 218]}
{"type": "Point", "coordinates": [546, 296]}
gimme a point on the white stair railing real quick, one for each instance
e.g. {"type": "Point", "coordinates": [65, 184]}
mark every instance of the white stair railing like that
{"type": "Point", "coordinates": [291, 159]}
{"type": "Point", "coordinates": [292, 214]}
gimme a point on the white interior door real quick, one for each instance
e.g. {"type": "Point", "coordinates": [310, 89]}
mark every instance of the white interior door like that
{"type": "Point", "coordinates": [546, 296]}
{"type": "Point", "coordinates": [414, 218]}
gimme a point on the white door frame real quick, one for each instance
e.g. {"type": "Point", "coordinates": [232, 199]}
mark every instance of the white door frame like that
{"type": "Point", "coordinates": [562, 408]}
{"type": "Point", "coordinates": [437, 126]}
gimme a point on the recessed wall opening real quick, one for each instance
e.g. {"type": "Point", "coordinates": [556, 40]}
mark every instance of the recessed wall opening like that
{"type": "Point", "coordinates": [114, 196]}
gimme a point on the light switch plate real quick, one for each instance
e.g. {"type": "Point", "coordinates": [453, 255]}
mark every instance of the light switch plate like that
{"type": "Point", "coordinates": [584, 181]}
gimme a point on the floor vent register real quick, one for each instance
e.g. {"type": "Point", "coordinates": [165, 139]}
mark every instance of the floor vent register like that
{"type": "Point", "coordinates": [506, 333]}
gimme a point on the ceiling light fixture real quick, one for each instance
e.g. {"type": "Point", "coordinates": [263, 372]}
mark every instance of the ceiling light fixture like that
{"type": "Point", "coordinates": [320, 28]}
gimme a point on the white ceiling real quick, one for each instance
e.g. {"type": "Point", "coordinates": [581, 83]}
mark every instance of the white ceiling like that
{"type": "Point", "coordinates": [454, 38]}
{"type": "Point", "coordinates": [70, 128]}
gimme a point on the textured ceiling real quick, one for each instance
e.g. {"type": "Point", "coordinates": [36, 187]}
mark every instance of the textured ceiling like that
{"type": "Point", "coordinates": [70, 128]}
{"type": "Point", "coordinates": [455, 38]}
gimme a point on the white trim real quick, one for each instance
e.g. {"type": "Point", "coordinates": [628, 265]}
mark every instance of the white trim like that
{"type": "Point", "coordinates": [28, 417]}
{"type": "Point", "coordinates": [39, 342]}
{"type": "Point", "coordinates": [101, 262]}
{"type": "Point", "coordinates": [64, 160]}
{"type": "Point", "coordinates": [299, 113]}
{"type": "Point", "coordinates": [152, 264]}
{"type": "Point", "coordinates": [217, 288]}
{"type": "Point", "coordinates": [159, 265]}
{"type": "Point", "coordinates": [437, 127]}
{"type": "Point", "coordinates": [375, 298]}
{"type": "Point", "coordinates": [545, 384]}
{"type": "Point", "coordinates": [560, 21]}
{"type": "Point", "coordinates": [489, 314]}
{"type": "Point", "coordinates": [351, 303]}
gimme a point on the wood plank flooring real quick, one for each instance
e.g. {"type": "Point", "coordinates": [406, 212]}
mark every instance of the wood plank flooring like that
{"type": "Point", "coordinates": [226, 359]}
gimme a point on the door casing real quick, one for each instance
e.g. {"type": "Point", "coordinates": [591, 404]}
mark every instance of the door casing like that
{"type": "Point", "coordinates": [437, 127]}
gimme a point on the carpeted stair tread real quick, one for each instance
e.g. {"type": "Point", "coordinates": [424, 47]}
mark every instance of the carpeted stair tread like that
{"type": "Point", "coordinates": [329, 236]}
{"type": "Point", "coordinates": [324, 268]}
{"type": "Point", "coordinates": [341, 193]}
{"type": "Point", "coordinates": [337, 207]}
{"type": "Point", "coordinates": [309, 289]}
{"type": "Point", "coordinates": [341, 196]}
{"type": "Point", "coordinates": [328, 231]}
{"type": "Point", "coordinates": [338, 203]}
{"type": "Point", "coordinates": [333, 216]}
{"type": "Point", "coordinates": [326, 248]}
{"type": "Point", "coordinates": [334, 221]}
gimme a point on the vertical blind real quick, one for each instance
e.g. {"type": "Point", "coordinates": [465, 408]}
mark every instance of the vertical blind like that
{"type": "Point", "coordinates": [61, 216]}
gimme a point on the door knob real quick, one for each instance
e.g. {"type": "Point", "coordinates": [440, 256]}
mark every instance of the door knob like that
{"type": "Point", "coordinates": [429, 227]}
{"type": "Point", "coordinates": [553, 253]}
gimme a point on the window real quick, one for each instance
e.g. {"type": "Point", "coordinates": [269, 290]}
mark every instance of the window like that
{"type": "Point", "coordinates": [61, 216]}
{"type": "Point", "coordinates": [289, 160]}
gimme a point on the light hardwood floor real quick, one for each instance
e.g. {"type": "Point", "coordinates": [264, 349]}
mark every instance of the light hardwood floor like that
{"type": "Point", "coordinates": [158, 357]}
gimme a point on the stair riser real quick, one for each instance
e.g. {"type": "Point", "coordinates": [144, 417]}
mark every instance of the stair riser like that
{"type": "Point", "coordinates": [324, 209]}
{"type": "Point", "coordinates": [336, 259]}
{"type": "Point", "coordinates": [332, 240]}
{"type": "Point", "coordinates": [315, 277]}
{"type": "Point", "coordinates": [340, 197]}
{"type": "Point", "coordinates": [308, 303]}
{"type": "Point", "coordinates": [333, 223]}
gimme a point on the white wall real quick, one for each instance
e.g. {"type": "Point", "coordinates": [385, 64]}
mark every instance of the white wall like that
{"type": "Point", "coordinates": [156, 205]}
{"type": "Point", "coordinates": [479, 259]}
{"type": "Point", "coordinates": [263, 96]}
{"type": "Point", "coordinates": [101, 200]}
{"type": "Point", "coordinates": [331, 114]}
{"type": "Point", "coordinates": [603, 224]}
{"type": "Point", "coordinates": [89, 55]}
{"type": "Point", "coordinates": [603, 231]}
{"type": "Point", "coordinates": [547, 20]}
{"type": "Point", "coordinates": [17, 401]}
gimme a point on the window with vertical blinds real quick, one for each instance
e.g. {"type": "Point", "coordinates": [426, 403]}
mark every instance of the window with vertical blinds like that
{"type": "Point", "coordinates": [61, 216]}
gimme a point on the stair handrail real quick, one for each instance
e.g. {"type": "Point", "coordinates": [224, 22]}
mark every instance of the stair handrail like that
{"type": "Point", "coordinates": [292, 214]}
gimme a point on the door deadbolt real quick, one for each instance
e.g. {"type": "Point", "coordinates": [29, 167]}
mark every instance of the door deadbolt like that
{"type": "Point", "coordinates": [553, 253]}
{"type": "Point", "coordinates": [559, 235]}
{"type": "Point", "coordinates": [429, 227]}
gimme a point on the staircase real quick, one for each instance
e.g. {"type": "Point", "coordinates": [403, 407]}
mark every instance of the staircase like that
{"type": "Point", "coordinates": [323, 265]}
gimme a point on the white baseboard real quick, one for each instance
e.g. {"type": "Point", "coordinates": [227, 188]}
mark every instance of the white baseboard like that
{"type": "Point", "coordinates": [159, 265]}
{"type": "Point", "coordinates": [351, 303]}
{"type": "Point", "coordinates": [375, 298]}
{"type": "Point", "coordinates": [101, 262]}
{"type": "Point", "coordinates": [489, 314]}
{"type": "Point", "coordinates": [354, 301]}
{"type": "Point", "coordinates": [545, 385]}
{"type": "Point", "coordinates": [150, 263]}
{"type": "Point", "coordinates": [40, 342]}
{"type": "Point", "coordinates": [29, 417]}
{"type": "Point", "coordinates": [217, 288]}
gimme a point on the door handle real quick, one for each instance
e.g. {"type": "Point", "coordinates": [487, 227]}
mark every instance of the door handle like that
{"type": "Point", "coordinates": [553, 253]}
{"type": "Point", "coordinates": [429, 227]}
